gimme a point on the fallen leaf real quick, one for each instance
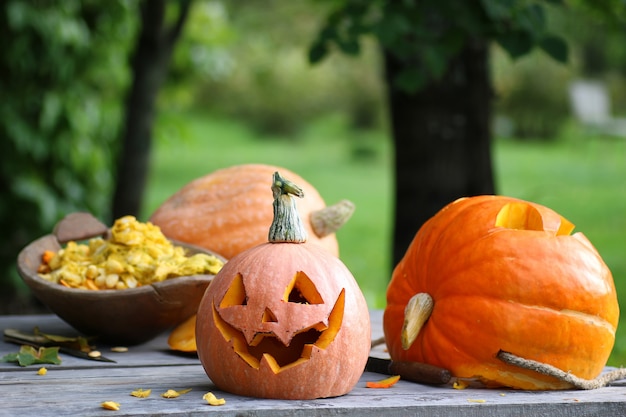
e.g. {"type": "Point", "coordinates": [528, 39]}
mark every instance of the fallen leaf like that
{"type": "Point", "coordinates": [28, 355]}
{"type": "Point", "coordinates": [73, 342]}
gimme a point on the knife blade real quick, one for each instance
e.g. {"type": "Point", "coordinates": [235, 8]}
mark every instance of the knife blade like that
{"type": "Point", "coordinates": [422, 373]}
{"type": "Point", "coordinates": [37, 341]}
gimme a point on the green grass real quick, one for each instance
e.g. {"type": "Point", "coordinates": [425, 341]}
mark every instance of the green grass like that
{"type": "Point", "coordinates": [583, 178]}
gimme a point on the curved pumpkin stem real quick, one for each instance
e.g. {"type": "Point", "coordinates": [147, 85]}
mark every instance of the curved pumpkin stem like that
{"type": "Point", "coordinates": [287, 225]}
{"type": "Point", "coordinates": [416, 313]}
{"type": "Point", "coordinates": [544, 368]}
{"type": "Point", "coordinates": [330, 219]}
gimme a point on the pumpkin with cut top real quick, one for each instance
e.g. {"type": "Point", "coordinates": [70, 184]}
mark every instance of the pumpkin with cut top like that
{"type": "Point", "coordinates": [491, 274]}
{"type": "Point", "coordinates": [285, 319]}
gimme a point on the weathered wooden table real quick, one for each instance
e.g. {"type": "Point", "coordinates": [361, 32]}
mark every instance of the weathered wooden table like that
{"type": "Point", "coordinates": [77, 387]}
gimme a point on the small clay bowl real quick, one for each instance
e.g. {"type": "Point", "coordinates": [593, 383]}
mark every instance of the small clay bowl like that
{"type": "Point", "coordinates": [127, 317]}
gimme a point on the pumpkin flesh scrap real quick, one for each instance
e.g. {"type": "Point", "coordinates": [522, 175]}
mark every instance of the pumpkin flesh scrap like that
{"type": "Point", "coordinates": [183, 337]}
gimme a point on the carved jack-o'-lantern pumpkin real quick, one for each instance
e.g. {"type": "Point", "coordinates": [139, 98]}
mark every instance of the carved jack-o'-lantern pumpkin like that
{"type": "Point", "coordinates": [284, 319]}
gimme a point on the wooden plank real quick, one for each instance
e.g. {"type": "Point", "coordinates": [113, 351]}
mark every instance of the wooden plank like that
{"type": "Point", "coordinates": [153, 353]}
{"type": "Point", "coordinates": [76, 392]}
{"type": "Point", "coordinates": [78, 387]}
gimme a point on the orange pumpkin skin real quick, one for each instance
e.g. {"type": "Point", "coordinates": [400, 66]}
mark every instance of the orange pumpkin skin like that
{"type": "Point", "coordinates": [266, 272]}
{"type": "Point", "coordinates": [540, 294]}
{"type": "Point", "coordinates": [227, 211]}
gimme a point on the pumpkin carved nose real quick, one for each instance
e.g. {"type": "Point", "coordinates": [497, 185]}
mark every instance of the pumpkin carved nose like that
{"type": "Point", "coordinates": [268, 316]}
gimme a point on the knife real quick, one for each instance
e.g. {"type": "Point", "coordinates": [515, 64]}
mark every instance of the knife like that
{"type": "Point", "coordinates": [17, 337]}
{"type": "Point", "coordinates": [422, 373]}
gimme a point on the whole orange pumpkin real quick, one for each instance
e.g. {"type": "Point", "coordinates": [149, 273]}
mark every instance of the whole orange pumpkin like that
{"type": "Point", "coordinates": [493, 273]}
{"type": "Point", "coordinates": [226, 211]}
{"type": "Point", "coordinates": [285, 319]}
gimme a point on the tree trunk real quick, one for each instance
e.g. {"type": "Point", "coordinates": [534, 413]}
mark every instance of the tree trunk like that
{"type": "Point", "coordinates": [150, 63]}
{"type": "Point", "coordinates": [442, 141]}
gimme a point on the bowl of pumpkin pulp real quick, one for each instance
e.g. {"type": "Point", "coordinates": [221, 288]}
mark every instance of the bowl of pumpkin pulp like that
{"type": "Point", "coordinates": [123, 285]}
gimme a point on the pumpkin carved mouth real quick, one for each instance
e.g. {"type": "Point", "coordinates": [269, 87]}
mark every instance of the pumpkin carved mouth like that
{"type": "Point", "coordinates": [265, 337]}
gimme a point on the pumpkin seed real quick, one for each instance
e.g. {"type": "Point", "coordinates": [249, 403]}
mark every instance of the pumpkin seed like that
{"type": "Point", "coordinates": [119, 349]}
{"type": "Point", "coordinates": [111, 280]}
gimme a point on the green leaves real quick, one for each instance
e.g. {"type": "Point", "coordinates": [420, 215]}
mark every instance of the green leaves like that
{"type": "Point", "coordinates": [28, 355]}
{"type": "Point", "coordinates": [64, 69]}
{"type": "Point", "coordinates": [344, 28]}
{"type": "Point", "coordinates": [522, 26]}
{"type": "Point", "coordinates": [426, 35]}
{"type": "Point", "coordinates": [519, 43]}
{"type": "Point", "coordinates": [555, 47]}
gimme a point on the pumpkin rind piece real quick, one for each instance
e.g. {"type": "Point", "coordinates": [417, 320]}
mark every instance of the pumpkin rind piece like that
{"type": "Point", "coordinates": [534, 291]}
{"type": "Point", "coordinates": [183, 337]}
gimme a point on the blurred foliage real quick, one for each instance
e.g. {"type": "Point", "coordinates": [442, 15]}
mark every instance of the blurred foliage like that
{"type": "Point", "coordinates": [254, 68]}
{"type": "Point", "coordinates": [597, 30]}
{"type": "Point", "coordinates": [427, 35]}
{"type": "Point", "coordinates": [532, 92]}
{"type": "Point", "coordinates": [203, 52]}
{"type": "Point", "coordinates": [63, 69]}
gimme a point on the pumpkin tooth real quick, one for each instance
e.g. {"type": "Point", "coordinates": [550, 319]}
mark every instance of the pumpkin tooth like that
{"type": "Point", "coordinates": [416, 312]}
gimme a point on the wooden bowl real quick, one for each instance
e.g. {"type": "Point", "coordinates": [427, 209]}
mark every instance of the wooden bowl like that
{"type": "Point", "coordinates": [129, 316]}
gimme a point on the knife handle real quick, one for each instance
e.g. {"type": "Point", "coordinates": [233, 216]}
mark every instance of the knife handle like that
{"type": "Point", "coordinates": [420, 372]}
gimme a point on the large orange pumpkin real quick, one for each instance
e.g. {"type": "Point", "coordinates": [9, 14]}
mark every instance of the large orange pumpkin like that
{"type": "Point", "coordinates": [284, 319]}
{"type": "Point", "coordinates": [496, 273]}
{"type": "Point", "coordinates": [226, 211]}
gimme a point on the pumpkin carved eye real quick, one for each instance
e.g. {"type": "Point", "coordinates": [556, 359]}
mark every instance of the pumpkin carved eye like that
{"type": "Point", "coordinates": [236, 294]}
{"type": "Point", "coordinates": [302, 290]}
